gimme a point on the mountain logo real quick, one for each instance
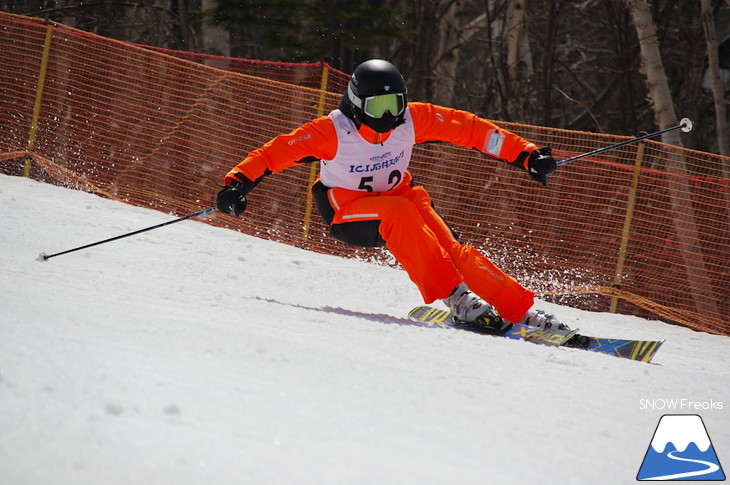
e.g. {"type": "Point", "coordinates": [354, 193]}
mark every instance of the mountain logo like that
{"type": "Point", "coordinates": [681, 450]}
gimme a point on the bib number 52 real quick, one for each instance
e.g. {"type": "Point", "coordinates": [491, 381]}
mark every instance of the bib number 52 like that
{"type": "Point", "coordinates": [393, 180]}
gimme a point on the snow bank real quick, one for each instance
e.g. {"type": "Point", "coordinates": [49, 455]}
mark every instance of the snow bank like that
{"type": "Point", "coordinates": [194, 354]}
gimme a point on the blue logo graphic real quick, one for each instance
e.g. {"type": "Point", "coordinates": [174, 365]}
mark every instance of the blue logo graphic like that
{"type": "Point", "coordinates": [681, 450]}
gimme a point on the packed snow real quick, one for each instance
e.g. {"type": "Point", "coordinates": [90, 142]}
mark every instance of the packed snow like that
{"type": "Point", "coordinates": [195, 354]}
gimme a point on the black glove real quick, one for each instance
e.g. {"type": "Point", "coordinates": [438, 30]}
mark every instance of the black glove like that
{"type": "Point", "coordinates": [232, 199]}
{"type": "Point", "coordinates": [541, 164]}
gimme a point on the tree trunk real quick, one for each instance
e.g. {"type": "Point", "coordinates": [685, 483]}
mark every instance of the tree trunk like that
{"type": "Point", "coordinates": [447, 55]}
{"type": "Point", "coordinates": [515, 37]}
{"type": "Point", "coordinates": [718, 93]}
{"type": "Point", "coordinates": [452, 35]}
{"type": "Point", "coordinates": [679, 188]}
{"type": "Point", "coordinates": [653, 68]}
{"type": "Point", "coordinates": [553, 22]}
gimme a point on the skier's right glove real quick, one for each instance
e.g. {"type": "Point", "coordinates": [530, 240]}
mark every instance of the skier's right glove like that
{"type": "Point", "coordinates": [232, 199]}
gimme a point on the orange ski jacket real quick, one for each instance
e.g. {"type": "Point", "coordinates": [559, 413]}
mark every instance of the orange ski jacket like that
{"type": "Point", "coordinates": [317, 140]}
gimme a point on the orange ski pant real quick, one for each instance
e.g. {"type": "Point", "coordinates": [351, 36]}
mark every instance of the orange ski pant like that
{"type": "Point", "coordinates": [426, 248]}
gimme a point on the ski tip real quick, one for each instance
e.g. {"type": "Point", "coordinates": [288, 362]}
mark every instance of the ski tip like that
{"type": "Point", "coordinates": [42, 257]}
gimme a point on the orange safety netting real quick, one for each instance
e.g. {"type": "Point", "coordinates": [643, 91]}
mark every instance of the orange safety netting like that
{"type": "Point", "coordinates": [157, 130]}
{"type": "Point", "coordinates": [301, 74]}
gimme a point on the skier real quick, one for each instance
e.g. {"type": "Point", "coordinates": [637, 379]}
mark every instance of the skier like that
{"type": "Point", "coordinates": [367, 196]}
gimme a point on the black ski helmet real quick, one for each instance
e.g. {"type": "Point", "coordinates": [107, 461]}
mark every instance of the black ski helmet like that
{"type": "Point", "coordinates": [376, 96]}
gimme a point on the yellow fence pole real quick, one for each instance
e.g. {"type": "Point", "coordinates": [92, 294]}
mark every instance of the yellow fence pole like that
{"type": "Point", "coordinates": [38, 98]}
{"type": "Point", "coordinates": [627, 224]}
{"type": "Point", "coordinates": [313, 167]}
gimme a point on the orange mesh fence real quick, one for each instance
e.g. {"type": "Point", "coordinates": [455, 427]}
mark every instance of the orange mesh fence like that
{"type": "Point", "coordinates": [302, 74]}
{"type": "Point", "coordinates": [157, 130]}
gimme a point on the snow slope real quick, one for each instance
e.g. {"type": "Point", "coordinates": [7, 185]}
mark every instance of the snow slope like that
{"type": "Point", "coordinates": [193, 354]}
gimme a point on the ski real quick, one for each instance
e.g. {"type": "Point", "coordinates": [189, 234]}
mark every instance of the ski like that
{"type": "Point", "coordinates": [639, 350]}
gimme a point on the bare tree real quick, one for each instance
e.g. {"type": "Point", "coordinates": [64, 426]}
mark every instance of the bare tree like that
{"type": "Point", "coordinates": [161, 23]}
{"type": "Point", "coordinates": [517, 45]}
{"type": "Point", "coordinates": [680, 190]}
{"type": "Point", "coordinates": [454, 31]}
{"type": "Point", "coordinates": [569, 64]}
{"type": "Point", "coordinates": [718, 92]}
{"type": "Point", "coordinates": [653, 68]}
{"type": "Point", "coordinates": [508, 67]}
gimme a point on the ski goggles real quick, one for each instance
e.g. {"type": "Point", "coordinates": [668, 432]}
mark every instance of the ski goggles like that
{"type": "Point", "coordinates": [376, 106]}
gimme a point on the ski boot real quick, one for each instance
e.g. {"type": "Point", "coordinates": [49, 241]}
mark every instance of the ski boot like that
{"type": "Point", "coordinates": [544, 321]}
{"type": "Point", "coordinates": [548, 322]}
{"type": "Point", "coordinates": [470, 311]}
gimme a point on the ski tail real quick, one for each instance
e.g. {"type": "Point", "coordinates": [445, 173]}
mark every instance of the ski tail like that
{"type": "Point", "coordinates": [427, 314]}
{"type": "Point", "coordinates": [430, 315]}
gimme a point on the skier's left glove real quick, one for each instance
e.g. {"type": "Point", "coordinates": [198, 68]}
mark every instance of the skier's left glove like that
{"type": "Point", "coordinates": [541, 164]}
{"type": "Point", "coordinates": [232, 199]}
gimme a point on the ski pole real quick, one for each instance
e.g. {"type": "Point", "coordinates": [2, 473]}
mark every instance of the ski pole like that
{"type": "Point", "coordinates": [43, 256]}
{"type": "Point", "coordinates": [685, 125]}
